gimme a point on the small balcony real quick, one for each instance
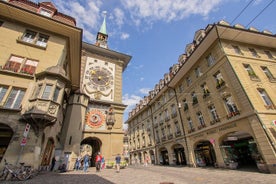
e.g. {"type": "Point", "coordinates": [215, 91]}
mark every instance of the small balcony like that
{"type": "Point", "coordinates": [191, 130]}
{"type": "Point", "coordinates": [214, 121]}
{"type": "Point", "coordinates": [270, 107]}
{"type": "Point", "coordinates": [220, 83]}
{"type": "Point", "coordinates": [201, 126]}
{"type": "Point", "coordinates": [233, 114]}
{"type": "Point", "coordinates": [167, 119]}
{"type": "Point", "coordinates": [177, 134]}
{"type": "Point", "coordinates": [174, 114]}
{"type": "Point", "coordinates": [170, 136]}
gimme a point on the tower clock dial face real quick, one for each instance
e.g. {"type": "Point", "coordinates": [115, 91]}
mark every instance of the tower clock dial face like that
{"type": "Point", "coordinates": [99, 78]}
{"type": "Point", "coordinates": [95, 118]}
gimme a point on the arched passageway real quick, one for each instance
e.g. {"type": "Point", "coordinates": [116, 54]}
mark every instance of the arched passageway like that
{"type": "Point", "coordinates": [152, 157]}
{"type": "Point", "coordinates": [6, 134]}
{"type": "Point", "coordinates": [179, 155]}
{"type": "Point", "coordinates": [163, 156]}
{"type": "Point", "coordinates": [239, 150]}
{"type": "Point", "coordinates": [91, 146]}
{"type": "Point", "coordinates": [205, 154]}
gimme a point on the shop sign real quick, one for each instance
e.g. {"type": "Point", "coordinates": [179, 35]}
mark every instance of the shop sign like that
{"type": "Point", "coordinates": [27, 129]}
{"type": "Point", "coordinates": [274, 122]}
{"type": "Point", "coordinates": [23, 141]}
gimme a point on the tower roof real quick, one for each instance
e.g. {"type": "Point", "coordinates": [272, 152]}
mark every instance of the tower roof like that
{"type": "Point", "coordinates": [103, 27]}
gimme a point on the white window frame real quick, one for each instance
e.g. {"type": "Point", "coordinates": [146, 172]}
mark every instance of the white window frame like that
{"type": "Point", "coordinates": [14, 98]}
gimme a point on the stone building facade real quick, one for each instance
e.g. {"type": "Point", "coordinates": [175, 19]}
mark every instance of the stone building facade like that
{"type": "Point", "coordinates": [59, 97]}
{"type": "Point", "coordinates": [215, 107]}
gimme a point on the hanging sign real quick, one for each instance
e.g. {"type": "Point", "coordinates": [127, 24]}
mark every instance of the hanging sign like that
{"type": "Point", "coordinates": [27, 129]}
{"type": "Point", "coordinates": [23, 141]}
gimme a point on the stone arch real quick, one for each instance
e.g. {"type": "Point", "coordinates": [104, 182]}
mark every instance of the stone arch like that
{"type": "Point", "coordinates": [6, 134]}
{"type": "Point", "coordinates": [152, 156]}
{"type": "Point", "coordinates": [179, 157]}
{"type": "Point", "coordinates": [163, 156]}
{"type": "Point", "coordinates": [239, 150]}
{"type": "Point", "coordinates": [91, 146]}
{"type": "Point", "coordinates": [204, 153]}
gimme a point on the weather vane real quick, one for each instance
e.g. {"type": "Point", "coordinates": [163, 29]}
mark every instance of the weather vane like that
{"type": "Point", "coordinates": [104, 13]}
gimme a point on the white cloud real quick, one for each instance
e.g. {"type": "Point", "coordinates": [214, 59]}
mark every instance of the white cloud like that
{"type": "Point", "coordinates": [124, 36]}
{"type": "Point", "coordinates": [164, 10]}
{"type": "Point", "coordinates": [144, 91]}
{"type": "Point", "coordinates": [119, 16]}
{"type": "Point", "coordinates": [130, 101]}
{"type": "Point", "coordinates": [87, 14]}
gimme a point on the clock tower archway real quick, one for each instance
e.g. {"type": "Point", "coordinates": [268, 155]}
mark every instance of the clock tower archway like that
{"type": "Point", "coordinates": [91, 146]}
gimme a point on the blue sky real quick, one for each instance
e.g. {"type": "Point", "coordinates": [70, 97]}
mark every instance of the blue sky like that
{"type": "Point", "coordinates": [156, 32]}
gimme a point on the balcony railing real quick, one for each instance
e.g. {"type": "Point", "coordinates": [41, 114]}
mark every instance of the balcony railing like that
{"type": "Point", "coordinates": [191, 130]}
{"type": "Point", "coordinates": [174, 114]}
{"type": "Point", "coordinates": [232, 114]}
{"type": "Point", "coordinates": [201, 126]}
{"type": "Point", "coordinates": [214, 121]}
{"type": "Point", "coordinates": [170, 136]}
{"type": "Point", "coordinates": [167, 118]}
{"type": "Point", "coordinates": [220, 83]}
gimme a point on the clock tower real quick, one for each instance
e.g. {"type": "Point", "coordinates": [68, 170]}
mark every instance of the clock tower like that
{"type": "Point", "coordinates": [99, 101]}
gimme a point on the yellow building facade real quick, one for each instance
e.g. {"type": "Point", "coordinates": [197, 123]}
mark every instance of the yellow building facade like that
{"type": "Point", "coordinates": [215, 107]}
{"type": "Point", "coordinates": [59, 97]}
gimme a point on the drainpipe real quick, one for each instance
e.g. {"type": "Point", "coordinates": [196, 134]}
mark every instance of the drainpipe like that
{"type": "Point", "coordinates": [184, 134]}
{"type": "Point", "coordinates": [155, 146]}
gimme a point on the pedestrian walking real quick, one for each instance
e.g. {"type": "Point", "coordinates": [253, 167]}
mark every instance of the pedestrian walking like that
{"type": "Point", "coordinates": [78, 163]}
{"type": "Point", "coordinates": [85, 162]}
{"type": "Point", "coordinates": [98, 161]}
{"type": "Point", "coordinates": [118, 161]}
{"type": "Point", "coordinates": [53, 163]}
{"type": "Point", "coordinates": [103, 163]}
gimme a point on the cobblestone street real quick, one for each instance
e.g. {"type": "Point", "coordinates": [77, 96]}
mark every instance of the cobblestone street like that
{"type": "Point", "coordinates": [153, 175]}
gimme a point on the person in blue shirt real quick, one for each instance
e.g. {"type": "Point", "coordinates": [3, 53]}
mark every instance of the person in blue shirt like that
{"type": "Point", "coordinates": [118, 161]}
{"type": "Point", "coordinates": [85, 162]}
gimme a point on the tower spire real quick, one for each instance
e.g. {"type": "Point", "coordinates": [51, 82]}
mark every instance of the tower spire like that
{"type": "Point", "coordinates": [102, 34]}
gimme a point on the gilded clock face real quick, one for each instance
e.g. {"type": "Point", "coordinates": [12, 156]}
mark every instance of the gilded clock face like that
{"type": "Point", "coordinates": [100, 78]}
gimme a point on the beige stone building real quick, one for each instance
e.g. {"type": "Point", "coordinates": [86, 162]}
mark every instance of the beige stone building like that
{"type": "Point", "coordinates": [59, 97]}
{"type": "Point", "coordinates": [215, 107]}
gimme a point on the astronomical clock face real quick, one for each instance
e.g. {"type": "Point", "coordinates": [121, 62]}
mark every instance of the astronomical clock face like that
{"type": "Point", "coordinates": [95, 118]}
{"type": "Point", "coordinates": [98, 80]}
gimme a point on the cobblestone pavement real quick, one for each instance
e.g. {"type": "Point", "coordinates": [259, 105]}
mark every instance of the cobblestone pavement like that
{"type": "Point", "coordinates": [152, 175]}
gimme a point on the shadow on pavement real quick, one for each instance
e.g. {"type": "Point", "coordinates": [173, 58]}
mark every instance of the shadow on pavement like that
{"type": "Point", "coordinates": [60, 178]}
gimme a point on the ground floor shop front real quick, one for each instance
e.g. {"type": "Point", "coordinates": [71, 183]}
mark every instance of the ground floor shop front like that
{"type": "Point", "coordinates": [234, 145]}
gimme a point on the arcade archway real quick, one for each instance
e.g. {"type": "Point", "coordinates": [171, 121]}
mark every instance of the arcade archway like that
{"type": "Point", "coordinates": [164, 156]}
{"type": "Point", "coordinates": [91, 146]}
{"type": "Point", "coordinates": [239, 150]}
{"type": "Point", "coordinates": [205, 154]}
{"type": "Point", "coordinates": [6, 134]}
{"type": "Point", "coordinates": [179, 154]}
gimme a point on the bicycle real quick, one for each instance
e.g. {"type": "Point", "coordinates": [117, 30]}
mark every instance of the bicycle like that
{"type": "Point", "coordinates": [20, 173]}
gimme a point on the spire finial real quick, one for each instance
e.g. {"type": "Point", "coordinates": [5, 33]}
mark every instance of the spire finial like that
{"type": "Point", "coordinates": [103, 27]}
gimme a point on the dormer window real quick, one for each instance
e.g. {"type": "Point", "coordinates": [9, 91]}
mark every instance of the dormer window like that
{"type": "Point", "coordinates": [45, 12]}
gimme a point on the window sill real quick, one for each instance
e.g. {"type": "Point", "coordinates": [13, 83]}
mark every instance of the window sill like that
{"type": "Point", "coordinates": [31, 44]}
{"type": "Point", "coordinates": [23, 75]}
